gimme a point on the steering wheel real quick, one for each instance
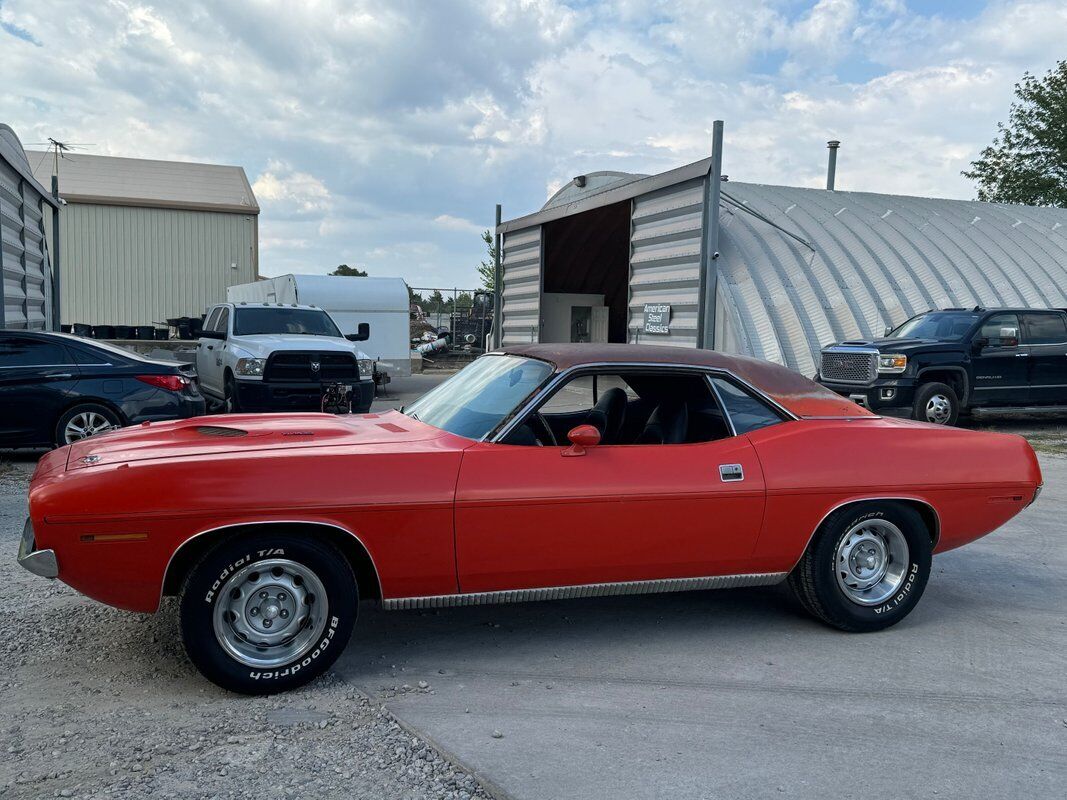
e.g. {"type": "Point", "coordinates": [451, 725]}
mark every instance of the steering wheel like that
{"type": "Point", "coordinates": [542, 430]}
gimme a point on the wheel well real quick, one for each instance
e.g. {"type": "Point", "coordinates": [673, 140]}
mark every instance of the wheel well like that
{"type": "Point", "coordinates": [925, 511]}
{"type": "Point", "coordinates": [954, 378]}
{"type": "Point", "coordinates": [91, 401]}
{"type": "Point", "coordinates": [186, 557]}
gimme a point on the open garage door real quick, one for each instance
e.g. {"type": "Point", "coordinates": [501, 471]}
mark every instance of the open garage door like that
{"type": "Point", "coordinates": [521, 287]}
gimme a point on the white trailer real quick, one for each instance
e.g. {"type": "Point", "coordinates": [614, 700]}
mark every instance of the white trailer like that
{"type": "Point", "coordinates": [383, 303]}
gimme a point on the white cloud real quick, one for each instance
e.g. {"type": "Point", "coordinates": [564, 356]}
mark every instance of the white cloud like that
{"type": "Point", "coordinates": [451, 223]}
{"type": "Point", "coordinates": [383, 133]}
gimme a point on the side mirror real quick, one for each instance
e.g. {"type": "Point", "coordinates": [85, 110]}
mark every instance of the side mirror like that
{"type": "Point", "coordinates": [362, 333]}
{"type": "Point", "coordinates": [581, 437]}
{"type": "Point", "coordinates": [212, 335]}
{"type": "Point", "coordinates": [978, 344]}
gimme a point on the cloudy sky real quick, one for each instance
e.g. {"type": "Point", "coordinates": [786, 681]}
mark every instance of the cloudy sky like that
{"type": "Point", "coordinates": [382, 133]}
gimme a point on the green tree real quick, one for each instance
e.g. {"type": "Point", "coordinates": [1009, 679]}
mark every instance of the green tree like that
{"type": "Point", "coordinates": [1027, 162]}
{"type": "Point", "coordinates": [351, 272]}
{"type": "Point", "coordinates": [487, 268]}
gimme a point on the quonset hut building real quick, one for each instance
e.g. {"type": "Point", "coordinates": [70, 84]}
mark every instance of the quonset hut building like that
{"type": "Point", "coordinates": [797, 268]}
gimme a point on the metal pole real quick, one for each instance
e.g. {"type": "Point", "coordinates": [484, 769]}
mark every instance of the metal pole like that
{"type": "Point", "coordinates": [56, 315]}
{"type": "Point", "coordinates": [711, 237]}
{"type": "Point", "coordinates": [498, 315]}
{"type": "Point", "coordinates": [831, 163]}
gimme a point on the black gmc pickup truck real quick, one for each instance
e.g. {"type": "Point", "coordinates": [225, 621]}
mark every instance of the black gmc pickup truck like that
{"type": "Point", "coordinates": [941, 364]}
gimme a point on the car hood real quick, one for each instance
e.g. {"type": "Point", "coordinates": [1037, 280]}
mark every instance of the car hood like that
{"type": "Point", "coordinates": [263, 344]}
{"type": "Point", "coordinates": [903, 346]}
{"type": "Point", "coordinates": [245, 433]}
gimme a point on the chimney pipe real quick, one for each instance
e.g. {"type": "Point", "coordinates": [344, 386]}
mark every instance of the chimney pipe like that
{"type": "Point", "coordinates": [831, 164]}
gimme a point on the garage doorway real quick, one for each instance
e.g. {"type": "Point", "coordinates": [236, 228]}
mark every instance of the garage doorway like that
{"type": "Point", "coordinates": [586, 274]}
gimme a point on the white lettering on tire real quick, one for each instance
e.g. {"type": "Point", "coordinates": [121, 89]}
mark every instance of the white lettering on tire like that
{"type": "Point", "coordinates": [905, 590]}
{"type": "Point", "coordinates": [232, 568]}
{"type": "Point", "coordinates": [294, 668]}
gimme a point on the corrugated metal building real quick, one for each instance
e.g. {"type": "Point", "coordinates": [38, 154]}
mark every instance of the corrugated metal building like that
{"type": "Point", "coordinates": [25, 213]}
{"type": "Point", "coordinates": [141, 240]}
{"type": "Point", "coordinates": [798, 268]}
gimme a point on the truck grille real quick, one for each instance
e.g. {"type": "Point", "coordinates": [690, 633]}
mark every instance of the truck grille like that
{"type": "Point", "coordinates": [311, 368]}
{"type": "Point", "coordinates": [845, 366]}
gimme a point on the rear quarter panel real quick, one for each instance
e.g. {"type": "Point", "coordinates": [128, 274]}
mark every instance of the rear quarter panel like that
{"type": "Point", "coordinates": [974, 481]}
{"type": "Point", "coordinates": [397, 503]}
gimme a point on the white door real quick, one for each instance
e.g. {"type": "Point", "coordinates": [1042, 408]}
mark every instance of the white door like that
{"type": "Point", "coordinates": [209, 356]}
{"type": "Point", "coordinates": [599, 327]}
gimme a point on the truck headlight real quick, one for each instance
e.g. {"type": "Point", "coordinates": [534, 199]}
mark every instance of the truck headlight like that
{"type": "Point", "coordinates": [250, 367]}
{"type": "Point", "coordinates": [894, 362]}
{"type": "Point", "coordinates": [366, 368]}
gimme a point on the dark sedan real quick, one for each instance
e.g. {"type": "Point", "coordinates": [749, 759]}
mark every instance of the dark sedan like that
{"type": "Point", "coordinates": [56, 388]}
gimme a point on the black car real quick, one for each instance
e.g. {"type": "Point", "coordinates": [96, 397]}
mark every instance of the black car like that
{"type": "Point", "coordinates": [941, 364]}
{"type": "Point", "coordinates": [56, 388]}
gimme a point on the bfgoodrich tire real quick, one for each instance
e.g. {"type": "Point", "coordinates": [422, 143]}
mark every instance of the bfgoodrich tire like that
{"type": "Point", "coordinates": [866, 567]}
{"type": "Point", "coordinates": [266, 613]}
{"type": "Point", "coordinates": [936, 403]}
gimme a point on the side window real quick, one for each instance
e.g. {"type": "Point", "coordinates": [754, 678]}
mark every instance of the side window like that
{"type": "Point", "coordinates": [1045, 328]}
{"type": "Point", "coordinates": [747, 413]}
{"type": "Point", "coordinates": [25, 352]}
{"type": "Point", "coordinates": [574, 396]}
{"type": "Point", "coordinates": [223, 322]}
{"type": "Point", "coordinates": [90, 357]}
{"type": "Point", "coordinates": [212, 318]}
{"type": "Point", "coordinates": [1002, 330]}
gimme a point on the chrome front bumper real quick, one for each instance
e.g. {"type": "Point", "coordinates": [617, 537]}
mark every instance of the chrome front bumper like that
{"type": "Point", "coordinates": [39, 562]}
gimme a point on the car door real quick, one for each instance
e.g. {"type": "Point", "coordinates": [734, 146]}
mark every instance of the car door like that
{"type": "Point", "coordinates": [1001, 371]}
{"type": "Point", "coordinates": [208, 363]}
{"type": "Point", "coordinates": [37, 379]}
{"type": "Point", "coordinates": [1046, 337]}
{"type": "Point", "coordinates": [540, 516]}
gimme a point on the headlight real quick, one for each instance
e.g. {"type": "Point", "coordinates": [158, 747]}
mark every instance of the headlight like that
{"type": "Point", "coordinates": [251, 367]}
{"type": "Point", "coordinates": [892, 363]}
{"type": "Point", "coordinates": [366, 368]}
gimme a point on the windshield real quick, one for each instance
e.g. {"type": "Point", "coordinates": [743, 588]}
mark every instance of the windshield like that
{"type": "Point", "coordinates": [948, 326]}
{"type": "Point", "coordinates": [478, 398]}
{"type": "Point", "coordinates": [308, 321]}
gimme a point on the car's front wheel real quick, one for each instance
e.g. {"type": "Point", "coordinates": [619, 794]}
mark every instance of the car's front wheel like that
{"type": "Point", "coordinates": [266, 613]}
{"type": "Point", "coordinates": [936, 403]}
{"type": "Point", "coordinates": [866, 567]}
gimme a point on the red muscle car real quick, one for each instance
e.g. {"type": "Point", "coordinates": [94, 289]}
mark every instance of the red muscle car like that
{"type": "Point", "coordinates": [539, 472]}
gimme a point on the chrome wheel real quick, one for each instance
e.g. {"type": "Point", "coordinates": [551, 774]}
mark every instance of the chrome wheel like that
{"type": "Point", "coordinates": [938, 409]}
{"type": "Point", "coordinates": [871, 562]}
{"type": "Point", "coordinates": [86, 424]}
{"type": "Point", "coordinates": [270, 613]}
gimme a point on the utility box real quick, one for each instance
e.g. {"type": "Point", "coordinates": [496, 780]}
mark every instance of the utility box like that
{"type": "Point", "coordinates": [383, 303]}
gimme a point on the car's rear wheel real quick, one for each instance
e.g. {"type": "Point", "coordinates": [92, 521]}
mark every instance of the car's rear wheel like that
{"type": "Point", "coordinates": [266, 613]}
{"type": "Point", "coordinates": [83, 421]}
{"type": "Point", "coordinates": [866, 567]}
{"type": "Point", "coordinates": [936, 403]}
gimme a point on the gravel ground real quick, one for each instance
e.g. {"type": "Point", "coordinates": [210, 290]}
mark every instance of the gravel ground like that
{"type": "Point", "coordinates": [102, 703]}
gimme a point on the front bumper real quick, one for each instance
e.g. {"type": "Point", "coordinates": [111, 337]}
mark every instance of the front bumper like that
{"type": "Point", "coordinates": [39, 562]}
{"type": "Point", "coordinates": [274, 396]}
{"type": "Point", "coordinates": [884, 394]}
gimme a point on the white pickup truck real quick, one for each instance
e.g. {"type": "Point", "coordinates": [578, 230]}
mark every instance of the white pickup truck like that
{"type": "Point", "coordinates": [275, 357]}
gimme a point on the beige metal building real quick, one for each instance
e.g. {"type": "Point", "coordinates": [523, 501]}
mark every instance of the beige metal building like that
{"type": "Point", "coordinates": [141, 240]}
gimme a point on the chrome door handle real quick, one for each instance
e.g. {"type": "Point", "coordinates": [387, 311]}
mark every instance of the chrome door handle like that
{"type": "Point", "coordinates": [1022, 355]}
{"type": "Point", "coordinates": [731, 472]}
{"type": "Point", "coordinates": [59, 375]}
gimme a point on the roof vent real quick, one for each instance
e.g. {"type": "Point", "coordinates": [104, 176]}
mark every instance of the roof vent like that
{"type": "Point", "coordinates": [219, 430]}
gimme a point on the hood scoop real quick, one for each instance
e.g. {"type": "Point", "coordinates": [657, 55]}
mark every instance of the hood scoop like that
{"type": "Point", "coordinates": [220, 430]}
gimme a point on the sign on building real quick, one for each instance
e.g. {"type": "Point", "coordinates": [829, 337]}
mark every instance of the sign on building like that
{"type": "Point", "coordinates": [657, 318]}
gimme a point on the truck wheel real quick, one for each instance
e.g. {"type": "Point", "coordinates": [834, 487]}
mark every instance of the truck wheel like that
{"type": "Point", "coordinates": [936, 403]}
{"type": "Point", "coordinates": [866, 567]}
{"type": "Point", "coordinates": [266, 613]}
{"type": "Point", "coordinates": [231, 404]}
